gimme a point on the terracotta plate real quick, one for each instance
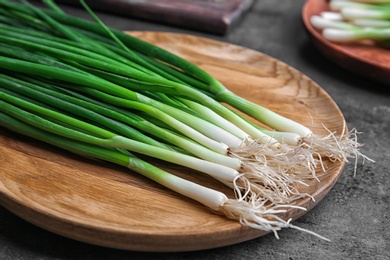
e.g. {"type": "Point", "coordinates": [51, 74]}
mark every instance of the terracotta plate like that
{"type": "Point", "coordinates": [102, 204]}
{"type": "Point", "coordinates": [363, 59]}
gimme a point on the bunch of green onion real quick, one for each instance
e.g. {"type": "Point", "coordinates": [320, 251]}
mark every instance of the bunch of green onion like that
{"type": "Point", "coordinates": [99, 92]}
{"type": "Point", "coordinates": [351, 21]}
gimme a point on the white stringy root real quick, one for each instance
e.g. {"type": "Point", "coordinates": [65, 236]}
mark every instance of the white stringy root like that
{"type": "Point", "coordinates": [270, 177]}
{"type": "Point", "coordinates": [335, 147]}
{"type": "Point", "coordinates": [256, 215]}
{"type": "Point", "coordinates": [274, 173]}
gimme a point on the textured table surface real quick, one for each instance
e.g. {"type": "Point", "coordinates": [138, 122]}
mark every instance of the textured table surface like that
{"type": "Point", "coordinates": [355, 214]}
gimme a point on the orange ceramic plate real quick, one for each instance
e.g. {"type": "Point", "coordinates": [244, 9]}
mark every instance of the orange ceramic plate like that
{"type": "Point", "coordinates": [363, 59]}
{"type": "Point", "coordinates": [102, 204]}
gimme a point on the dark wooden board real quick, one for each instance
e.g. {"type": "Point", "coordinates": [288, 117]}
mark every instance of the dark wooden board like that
{"type": "Point", "coordinates": [213, 16]}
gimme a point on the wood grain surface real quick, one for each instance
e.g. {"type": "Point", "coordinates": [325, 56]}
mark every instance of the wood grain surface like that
{"type": "Point", "coordinates": [103, 204]}
{"type": "Point", "coordinates": [363, 58]}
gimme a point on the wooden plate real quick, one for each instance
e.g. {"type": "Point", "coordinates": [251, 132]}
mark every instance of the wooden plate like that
{"type": "Point", "coordinates": [362, 59]}
{"type": "Point", "coordinates": [102, 204]}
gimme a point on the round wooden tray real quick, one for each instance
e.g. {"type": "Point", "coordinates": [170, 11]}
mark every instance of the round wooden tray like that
{"type": "Point", "coordinates": [102, 204]}
{"type": "Point", "coordinates": [363, 59]}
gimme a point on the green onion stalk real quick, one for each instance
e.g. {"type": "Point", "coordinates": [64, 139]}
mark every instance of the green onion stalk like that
{"type": "Point", "coordinates": [61, 124]}
{"type": "Point", "coordinates": [249, 213]}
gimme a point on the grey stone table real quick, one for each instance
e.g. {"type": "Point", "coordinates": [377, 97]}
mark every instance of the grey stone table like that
{"type": "Point", "coordinates": [356, 211]}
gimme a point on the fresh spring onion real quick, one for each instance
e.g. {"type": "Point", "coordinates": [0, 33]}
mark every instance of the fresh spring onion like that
{"type": "Point", "coordinates": [290, 132]}
{"type": "Point", "coordinates": [60, 101]}
{"type": "Point", "coordinates": [67, 73]}
{"type": "Point", "coordinates": [354, 21]}
{"type": "Point", "coordinates": [96, 91]}
{"type": "Point", "coordinates": [249, 213]}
